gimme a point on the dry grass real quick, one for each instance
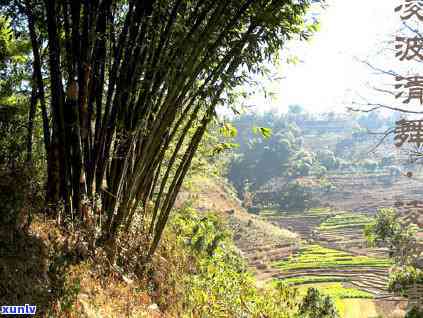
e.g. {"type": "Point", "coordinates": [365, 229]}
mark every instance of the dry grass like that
{"type": "Point", "coordinates": [212, 194]}
{"type": "Point", "coordinates": [24, 267]}
{"type": "Point", "coordinates": [358, 308]}
{"type": "Point", "coordinates": [108, 296]}
{"type": "Point", "coordinates": [276, 231]}
{"type": "Point", "coordinates": [65, 275]}
{"type": "Point", "coordinates": [367, 308]}
{"type": "Point", "coordinates": [55, 269]}
{"type": "Point", "coordinates": [215, 195]}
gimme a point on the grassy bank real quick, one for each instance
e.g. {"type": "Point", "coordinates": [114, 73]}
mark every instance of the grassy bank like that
{"type": "Point", "coordinates": [316, 256]}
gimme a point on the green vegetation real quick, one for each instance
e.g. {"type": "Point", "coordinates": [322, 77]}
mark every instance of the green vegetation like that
{"type": "Point", "coordinates": [331, 286]}
{"type": "Point", "coordinates": [303, 280]}
{"type": "Point", "coordinates": [277, 213]}
{"type": "Point", "coordinates": [414, 313]}
{"type": "Point", "coordinates": [220, 285]}
{"type": "Point", "coordinates": [327, 159]}
{"type": "Point", "coordinates": [317, 305]}
{"type": "Point", "coordinates": [117, 96]}
{"type": "Point", "coordinates": [107, 107]}
{"type": "Point", "coordinates": [270, 155]}
{"type": "Point", "coordinates": [294, 196]}
{"type": "Point", "coordinates": [402, 278]}
{"type": "Point", "coordinates": [345, 220]}
{"type": "Point", "coordinates": [337, 291]}
{"type": "Point", "coordinates": [316, 256]}
{"type": "Point", "coordinates": [301, 144]}
{"type": "Point", "coordinates": [388, 230]}
{"type": "Point", "coordinates": [320, 211]}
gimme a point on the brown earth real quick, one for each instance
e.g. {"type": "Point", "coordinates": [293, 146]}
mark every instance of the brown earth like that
{"type": "Point", "coordinates": [368, 192]}
{"type": "Point", "coordinates": [258, 241]}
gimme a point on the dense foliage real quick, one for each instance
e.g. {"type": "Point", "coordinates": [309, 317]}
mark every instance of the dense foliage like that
{"type": "Point", "coordinates": [221, 285]}
{"type": "Point", "coordinates": [316, 305]}
{"type": "Point", "coordinates": [261, 158]}
{"type": "Point", "coordinates": [388, 230]}
{"type": "Point", "coordinates": [299, 144]}
{"type": "Point", "coordinates": [123, 92]}
{"type": "Point", "coordinates": [20, 140]}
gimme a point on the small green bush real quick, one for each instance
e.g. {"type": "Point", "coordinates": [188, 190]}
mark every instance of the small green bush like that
{"type": "Point", "coordinates": [316, 305]}
{"type": "Point", "coordinates": [414, 313]}
{"type": "Point", "coordinates": [220, 284]}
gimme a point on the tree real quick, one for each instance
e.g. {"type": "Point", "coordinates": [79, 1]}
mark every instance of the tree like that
{"type": "Point", "coordinates": [16, 121]}
{"type": "Point", "coordinates": [327, 159]}
{"type": "Point", "coordinates": [301, 164]}
{"type": "Point", "coordinates": [261, 158]}
{"type": "Point", "coordinates": [387, 230]}
{"type": "Point", "coordinates": [406, 276]}
{"type": "Point", "coordinates": [17, 130]}
{"type": "Point", "coordinates": [316, 305]}
{"type": "Point", "coordinates": [132, 87]}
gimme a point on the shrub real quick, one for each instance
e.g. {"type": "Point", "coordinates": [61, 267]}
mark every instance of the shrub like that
{"type": "Point", "coordinates": [220, 284]}
{"type": "Point", "coordinates": [369, 165]}
{"type": "Point", "coordinates": [316, 305]}
{"type": "Point", "coordinates": [414, 313]}
{"type": "Point", "coordinates": [328, 160]}
{"type": "Point", "coordinates": [295, 196]}
{"type": "Point", "coordinates": [401, 278]}
{"type": "Point", "coordinates": [20, 195]}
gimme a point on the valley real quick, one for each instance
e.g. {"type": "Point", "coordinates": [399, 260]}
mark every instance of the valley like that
{"type": "Point", "coordinates": [320, 247]}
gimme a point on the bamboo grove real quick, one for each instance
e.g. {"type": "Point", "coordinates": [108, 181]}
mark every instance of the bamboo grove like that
{"type": "Point", "coordinates": [126, 90]}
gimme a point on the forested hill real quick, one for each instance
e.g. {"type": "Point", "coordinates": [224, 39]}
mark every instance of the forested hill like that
{"type": "Point", "coordinates": [311, 160]}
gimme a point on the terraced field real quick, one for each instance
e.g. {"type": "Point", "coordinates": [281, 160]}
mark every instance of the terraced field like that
{"type": "Point", "coordinates": [316, 256]}
{"type": "Point", "coordinates": [302, 223]}
{"type": "Point", "coordinates": [346, 231]}
{"type": "Point", "coordinates": [368, 192]}
{"type": "Point", "coordinates": [316, 264]}
{"type": "Point", "coordinates": [354, 275]}
{"type": "Point", "coordinates": [340, 230]}
{"type": "Point", "coordinates": [334, 253]}
{"type": "Point", "coordinates": [260, 242]}
{"type": "Point", "coordinates": [339, 291]}
{"type": "Point", "coordinates": [345, 220]}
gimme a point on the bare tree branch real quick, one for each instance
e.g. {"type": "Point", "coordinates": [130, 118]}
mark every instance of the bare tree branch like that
{"type": "Point", "coordinates": [376, 106]}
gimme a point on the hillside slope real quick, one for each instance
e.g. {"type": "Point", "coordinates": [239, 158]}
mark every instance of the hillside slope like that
{"type": "Point", "coordinates": [271, 245]}
{"type": "Point", "coordinates": [259, 241]}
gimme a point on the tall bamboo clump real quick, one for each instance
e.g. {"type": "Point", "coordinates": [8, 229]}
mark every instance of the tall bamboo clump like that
{"type": "Point", "coordinates": [132, 86]}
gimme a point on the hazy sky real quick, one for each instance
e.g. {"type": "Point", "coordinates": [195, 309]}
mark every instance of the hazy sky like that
{"type": "Point", "coordinates": [330, 75]}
